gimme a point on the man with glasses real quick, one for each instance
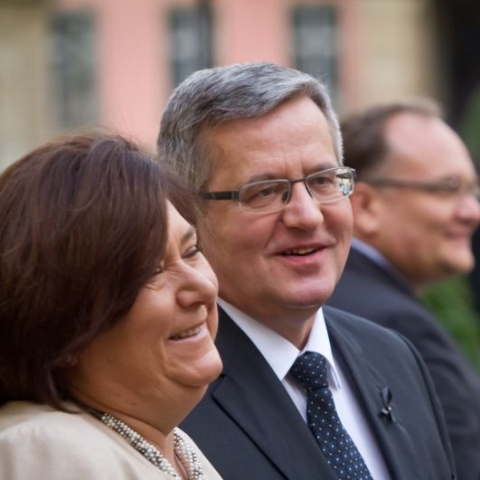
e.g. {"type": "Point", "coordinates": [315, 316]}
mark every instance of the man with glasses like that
{"type": "Point", "coordinates": [306, 392]}
{"type": "Point", "coordinates": [415, 208]}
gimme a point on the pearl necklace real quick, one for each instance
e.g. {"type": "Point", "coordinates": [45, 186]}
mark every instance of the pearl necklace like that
{"type": "Point", "coordinates": [183, 449]}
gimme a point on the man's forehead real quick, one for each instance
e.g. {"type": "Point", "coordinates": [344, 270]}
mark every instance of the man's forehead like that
{"type": "Point", "coordinates": [413, 136]}
{"type": "Point", "coordinates": [422, 144]}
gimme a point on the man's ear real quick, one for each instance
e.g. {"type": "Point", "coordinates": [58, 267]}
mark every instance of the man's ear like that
{"type": "Point", "coordinates": [366, 206]}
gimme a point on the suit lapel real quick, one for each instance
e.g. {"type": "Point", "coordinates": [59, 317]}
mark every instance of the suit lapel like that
{"type": "Point", "coordinates": [255, 399]}
{"type": "Point", "coordinates": [373, 392]}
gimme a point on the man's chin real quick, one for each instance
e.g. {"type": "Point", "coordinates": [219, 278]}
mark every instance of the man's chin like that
{"type": "Point", "coordinates": [304, 301]}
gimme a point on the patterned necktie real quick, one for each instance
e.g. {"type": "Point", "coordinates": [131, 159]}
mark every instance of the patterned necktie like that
{"type": "Point", "coordinates": [310, 369]}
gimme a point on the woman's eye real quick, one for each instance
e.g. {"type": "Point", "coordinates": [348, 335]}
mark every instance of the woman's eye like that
{"type": "Point", "coordinates": [192, 251]}
{"type": "Point", "coordinates": [158, 271]}
{"type": "Point", "coordinates": [155, 278]}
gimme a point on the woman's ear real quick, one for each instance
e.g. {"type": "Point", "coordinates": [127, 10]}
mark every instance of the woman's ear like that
{"type": "Point", "coordinates": [366, 205]}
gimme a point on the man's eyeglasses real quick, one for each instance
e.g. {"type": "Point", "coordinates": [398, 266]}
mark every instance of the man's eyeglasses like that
{"type": "Point", "coordinates": [451, 186]}
{"type": "Point", "coordinates": [268, 196]}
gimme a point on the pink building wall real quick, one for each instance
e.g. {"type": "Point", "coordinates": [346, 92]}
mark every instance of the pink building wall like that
{"type": "Point", "coordinates": [133, 51]}
{"type": "Point", "coordinates": [252, 30]}
{"type": "Point", "coordinates": [133, 84]}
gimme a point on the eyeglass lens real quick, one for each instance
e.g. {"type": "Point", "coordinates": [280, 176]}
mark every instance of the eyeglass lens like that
{"type": "Point", "coordinates": [325, 186]}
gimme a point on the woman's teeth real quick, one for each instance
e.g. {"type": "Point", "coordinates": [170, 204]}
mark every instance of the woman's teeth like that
{"type": "Point", "coordinates": [187, 333]}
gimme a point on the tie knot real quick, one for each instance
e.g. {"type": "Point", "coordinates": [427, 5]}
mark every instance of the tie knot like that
{"type": "Point", "coordinates": [310, 369]}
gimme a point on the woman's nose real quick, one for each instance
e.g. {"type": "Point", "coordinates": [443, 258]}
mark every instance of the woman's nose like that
{"type": "Point", "coordinates": [200, 285]}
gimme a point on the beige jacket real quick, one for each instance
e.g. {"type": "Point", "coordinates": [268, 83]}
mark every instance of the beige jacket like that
{"type": "Point", "coordinates": [38, 442]}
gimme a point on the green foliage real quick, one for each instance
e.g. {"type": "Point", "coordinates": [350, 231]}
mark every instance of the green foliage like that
{"type": "Point", "coordinates": [452, 303]}
{"type": "Point", "coordinates": [471, 125]}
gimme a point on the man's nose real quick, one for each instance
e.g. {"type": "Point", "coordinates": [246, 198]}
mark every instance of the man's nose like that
{"type": "Point", "coordinates": [302, 210]}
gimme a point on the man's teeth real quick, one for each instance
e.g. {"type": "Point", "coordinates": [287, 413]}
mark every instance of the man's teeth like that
{"type": "Point", "coordinates": [301, 251]}
{"type": "Point", "coordinates": [187, 333]}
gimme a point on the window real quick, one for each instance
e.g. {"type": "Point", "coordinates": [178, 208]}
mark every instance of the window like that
{"type": "Point", "coordinates": [315, 43]}
{"type": "Point", "coordinates": [191, 40]}
{"type": "Point", "coordinates": [74, 82]}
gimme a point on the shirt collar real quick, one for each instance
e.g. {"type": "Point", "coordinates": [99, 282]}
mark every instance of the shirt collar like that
{"type": "Point", "coordinates": [370, 252]}
{"type": "Point", "coordinates": [278, 351]}
{"type": "Point", "coordinates": [376, 257]}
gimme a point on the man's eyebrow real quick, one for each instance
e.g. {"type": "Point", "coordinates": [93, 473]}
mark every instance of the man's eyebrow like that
{"type": "Point", "coordinates": [263, 177]}
{"type": "Point", "coordinates": [272, 176]}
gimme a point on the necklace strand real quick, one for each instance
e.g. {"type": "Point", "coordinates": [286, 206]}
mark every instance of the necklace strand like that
{"type": "Point", "coordinates": [183, 449]}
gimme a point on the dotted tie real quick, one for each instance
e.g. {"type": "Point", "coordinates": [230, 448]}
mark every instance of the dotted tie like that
{"type": "Point", "coordinates": [310, 369]}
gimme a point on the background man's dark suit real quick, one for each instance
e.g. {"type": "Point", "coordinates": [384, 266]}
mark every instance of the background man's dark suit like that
{"type": "Point", "coordinates": [373, 292]}
{"type": "Point", "coordinates": [249, 409]}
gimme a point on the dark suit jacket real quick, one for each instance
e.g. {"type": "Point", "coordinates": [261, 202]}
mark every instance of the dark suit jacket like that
{"type": "Point", "coordinates": [249, 428]}
{"type": "Point", "coordinates": [371, 291]}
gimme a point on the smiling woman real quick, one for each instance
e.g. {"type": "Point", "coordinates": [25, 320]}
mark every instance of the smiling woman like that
{"type": "Point", "coordinates": [107, 316]}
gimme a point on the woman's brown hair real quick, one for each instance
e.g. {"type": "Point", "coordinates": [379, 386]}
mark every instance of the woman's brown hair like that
{"type": "Point", "coordinates": [83, 227]}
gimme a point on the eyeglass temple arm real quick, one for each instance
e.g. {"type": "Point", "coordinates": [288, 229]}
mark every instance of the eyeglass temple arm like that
{"type": "Point", "coordinates": [219, 195]}
{"type": "Point", "coordinates": [392, 182]}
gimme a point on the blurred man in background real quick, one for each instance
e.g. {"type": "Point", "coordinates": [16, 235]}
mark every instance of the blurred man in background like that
{"type": "Point", "coordinates": [415, 208]}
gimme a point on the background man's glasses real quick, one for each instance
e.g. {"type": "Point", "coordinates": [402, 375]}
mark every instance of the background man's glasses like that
{"type": "Point", "coordinates": [268, 196]}
{"type": "Point", "coordinates": [451, 186]}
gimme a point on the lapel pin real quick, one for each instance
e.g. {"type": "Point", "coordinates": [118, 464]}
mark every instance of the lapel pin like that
{"type": "Point", "coordinates": [387, 410]}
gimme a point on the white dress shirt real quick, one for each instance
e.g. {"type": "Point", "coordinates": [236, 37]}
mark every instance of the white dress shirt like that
{"type": "Point", "coordinates": [281, 354]}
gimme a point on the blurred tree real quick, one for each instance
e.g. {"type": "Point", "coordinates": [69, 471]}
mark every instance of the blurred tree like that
{"type": "Point", "coordinates": [452, 303]}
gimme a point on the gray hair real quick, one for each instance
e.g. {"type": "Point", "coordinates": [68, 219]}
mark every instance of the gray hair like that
{"type": "Point", "coordinates": [212, 96]}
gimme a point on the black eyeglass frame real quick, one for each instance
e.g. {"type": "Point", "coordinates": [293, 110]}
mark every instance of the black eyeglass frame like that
{"type": "Point", "coordinates": [235, 194]}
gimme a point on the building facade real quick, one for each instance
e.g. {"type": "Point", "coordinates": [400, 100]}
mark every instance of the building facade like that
{"type": "Point", "coordinates": [70, 63]}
